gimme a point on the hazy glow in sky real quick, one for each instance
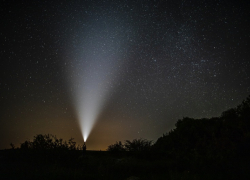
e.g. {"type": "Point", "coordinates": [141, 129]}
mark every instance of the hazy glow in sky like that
{"type": "Point", "coordinates": [94, 73]}
{"type": "Point", "coordinates": [90, 95]}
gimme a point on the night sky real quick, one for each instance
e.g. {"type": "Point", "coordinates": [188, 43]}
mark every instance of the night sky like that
{"type": "Point", "coordinates": [141, 64]}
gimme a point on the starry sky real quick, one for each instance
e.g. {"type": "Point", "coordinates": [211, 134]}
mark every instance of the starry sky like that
{"type": "Point", "coordinates": [157, 61]}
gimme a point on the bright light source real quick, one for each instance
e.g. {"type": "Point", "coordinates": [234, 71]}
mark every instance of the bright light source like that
{"type": "Point", "coordinates": [94, 72]}
{"type": "Point", "coordinates": [92, 81]}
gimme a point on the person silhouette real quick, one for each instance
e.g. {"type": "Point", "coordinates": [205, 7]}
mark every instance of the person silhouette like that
{"type": "Point", "coordinates": [84, 147]}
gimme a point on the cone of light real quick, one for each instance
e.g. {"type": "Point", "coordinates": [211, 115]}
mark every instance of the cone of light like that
{"type": "Point", "coordinates": [93, 80]}
{"type": "Point", "coordinates": [92, 91]}
{"type": "Point", "coordinates": [94, 71]}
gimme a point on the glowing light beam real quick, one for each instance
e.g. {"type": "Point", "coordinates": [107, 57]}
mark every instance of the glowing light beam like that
{"type": "Point", "coordinates": [93, 75]}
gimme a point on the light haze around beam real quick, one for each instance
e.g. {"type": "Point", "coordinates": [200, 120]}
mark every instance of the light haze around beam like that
{"type": "Point", "coordinates": [94, 73]}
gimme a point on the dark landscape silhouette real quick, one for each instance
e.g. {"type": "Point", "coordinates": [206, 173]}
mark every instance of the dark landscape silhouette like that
{"type": "Point", "coordinates": [214, 148]}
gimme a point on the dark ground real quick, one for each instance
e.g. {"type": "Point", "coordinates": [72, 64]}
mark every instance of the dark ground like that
{"type": "Point", "coordinates": [74, 165]}
{"type": "Point", "coordinates": [95, 165]}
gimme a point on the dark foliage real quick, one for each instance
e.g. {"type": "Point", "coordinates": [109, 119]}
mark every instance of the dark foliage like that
{"type": "Point", "coordinates": [215, 148]}
{"type": "Point", "coordinates": [49, 142]}
{"type": "Point", "coordinates": [139, 145]}
{"type": "Point", "coordinates": [117, 147]}
{"type": "Point", "coordinates": [136, 145]}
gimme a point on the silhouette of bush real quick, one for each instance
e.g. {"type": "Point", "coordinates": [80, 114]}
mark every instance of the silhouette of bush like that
{"type": "Point", "coordinates": [209, 145]}
{"type": "Point", "coordinates": [207, 148]}
{"type": "Point", "coordinates": [49, 142]}
{"type": "Point", "coordinates": [138, 145]}
{"type": "Point", "coordinates": [117, 147]}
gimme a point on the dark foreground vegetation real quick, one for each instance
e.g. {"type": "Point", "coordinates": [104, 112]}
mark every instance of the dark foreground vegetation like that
{"type": "Point", "coordinates": [215, 148]}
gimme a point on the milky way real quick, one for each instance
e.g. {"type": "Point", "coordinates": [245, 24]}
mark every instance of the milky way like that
{"type": "Point", "coordinates": [138, 65]}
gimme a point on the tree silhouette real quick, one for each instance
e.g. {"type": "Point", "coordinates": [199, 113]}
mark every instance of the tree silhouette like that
{"type": "Point", "coordinates": [49, 142]}
{"type": "Point", "coordinates": [71, 144]}
{"type": "Point", "coordinates": [117, 147]}
{"type": "Point", "coordinates": [138, 145]}
{"type": "Point", "coordinates": [216, 142]}
{"type": "Point", "coordinates": [134, 145]}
